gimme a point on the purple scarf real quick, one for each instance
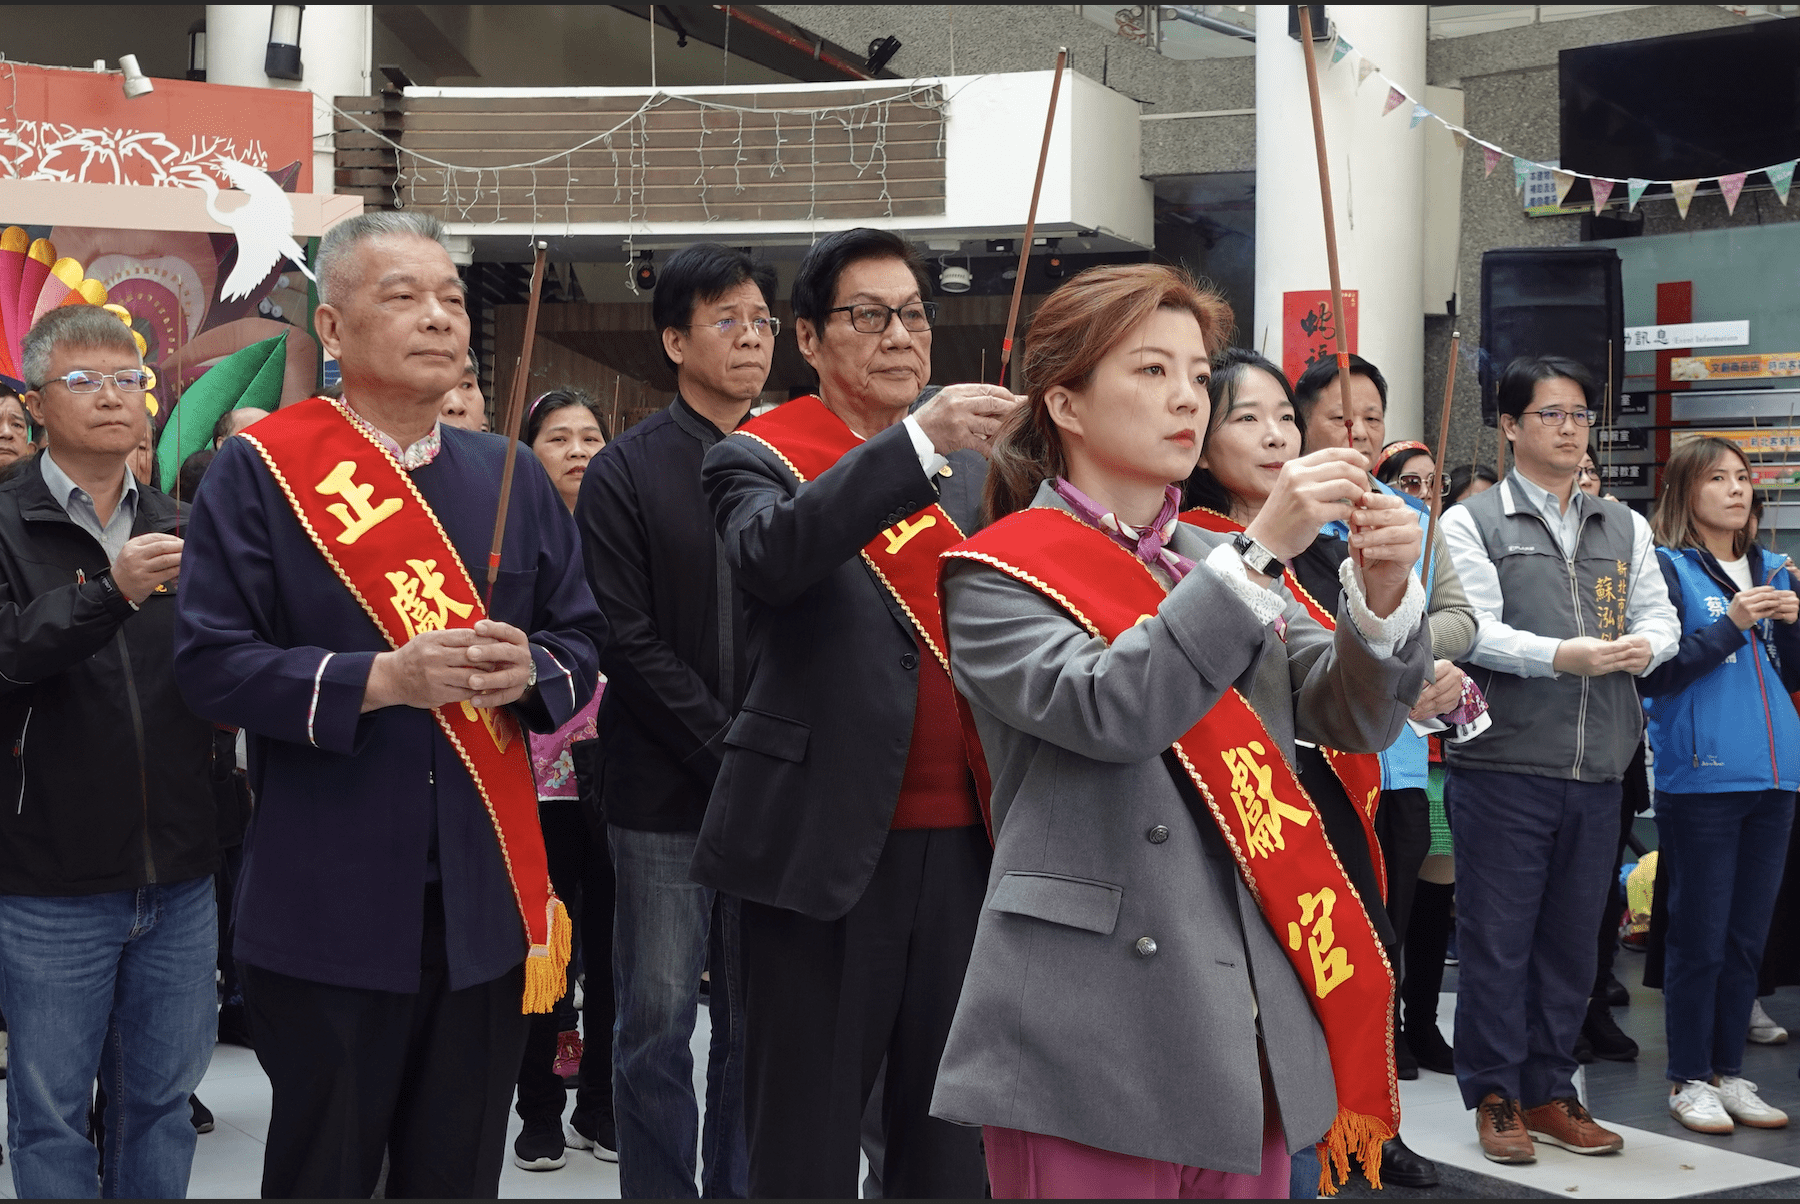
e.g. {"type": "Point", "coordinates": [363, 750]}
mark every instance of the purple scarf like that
{"type": "Point", "coordinates": [1148, 544]}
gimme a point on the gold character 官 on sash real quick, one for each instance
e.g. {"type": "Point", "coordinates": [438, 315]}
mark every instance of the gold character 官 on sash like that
{"type": "Point", "coordinates": [1258, 808]}
{"type": "Point", "coordinates": [1330, 962]}
{"type": "Point", "coordinates": [355, 512]}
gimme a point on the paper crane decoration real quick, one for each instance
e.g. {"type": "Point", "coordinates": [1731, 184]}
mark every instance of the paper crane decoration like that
{"type": "Point", "coordinates": [264, 227]}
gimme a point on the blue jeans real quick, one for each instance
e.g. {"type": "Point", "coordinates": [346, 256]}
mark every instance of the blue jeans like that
{"type": "Point", "coordinates": [1533, 855]}
{"type": "Point", "coordinates": [1722, 868]}
{"type": "Point", "coordinates": [663, 927]}
{"type": "Point", "coordinates": [117, 987]}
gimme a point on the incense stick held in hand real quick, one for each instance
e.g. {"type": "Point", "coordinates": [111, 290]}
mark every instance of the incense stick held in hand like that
{"type": "Point", "coordinates": [1437, 496]}
{"type": "Point", "coordinates": [1037, 187]}
{"type": "Point", "coordinates": [515, 412]}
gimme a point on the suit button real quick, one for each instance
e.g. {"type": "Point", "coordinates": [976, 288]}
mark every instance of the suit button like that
{"type": "Point", "coordinates": [1157, 835]}
{"type": "Point", "coordinates": [910, 661]}
{"type": "Point", "coordinates": [1146, 946]}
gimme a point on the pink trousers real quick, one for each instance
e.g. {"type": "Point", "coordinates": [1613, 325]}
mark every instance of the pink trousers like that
{"type": "Point", "coordinates": [1032, 1166]}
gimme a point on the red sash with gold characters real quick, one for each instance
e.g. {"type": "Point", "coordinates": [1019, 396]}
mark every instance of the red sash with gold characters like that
{"type": "Point", "coordinates": [1265, 815]}
{"type": "Point", "coordinates": [1360, 773]}
{"type": "Point", "coordinates": [808, 438]}
{"type": "Point", "coordinates": [376, 532]}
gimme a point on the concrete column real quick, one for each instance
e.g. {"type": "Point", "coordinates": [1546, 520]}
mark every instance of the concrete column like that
{"type": "Point", "coordinates": [1377, 183]}
{"type": "Point", "coordinates": [335, 48]}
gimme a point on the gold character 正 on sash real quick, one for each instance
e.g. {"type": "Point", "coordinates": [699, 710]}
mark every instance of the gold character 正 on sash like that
{"type": "Point", "coordinates": [1330, 961]}
{"type": "Point", "coordinates": [901, 533]}
{"type": "Point", "coordinates": [420, 601]}
{"type": "Point", "coordinates": [1261, 812]}
{"type": "Point", "coordinates": [355, 512]}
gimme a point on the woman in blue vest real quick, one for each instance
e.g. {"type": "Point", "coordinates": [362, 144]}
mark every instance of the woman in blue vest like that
{"type": "Point", "coordinates": [1727, 744]}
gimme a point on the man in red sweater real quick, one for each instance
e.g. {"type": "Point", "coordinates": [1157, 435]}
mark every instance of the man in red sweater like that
{"type": "Point", "coordinates": [844, 813]}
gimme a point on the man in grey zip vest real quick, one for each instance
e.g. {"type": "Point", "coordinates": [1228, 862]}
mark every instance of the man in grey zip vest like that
{"type": "Point", "coordinates": [1572, 608]}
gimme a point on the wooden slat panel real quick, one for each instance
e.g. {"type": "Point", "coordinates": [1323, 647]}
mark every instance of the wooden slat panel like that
{"type": "Point", "coordinates": [677, 162]}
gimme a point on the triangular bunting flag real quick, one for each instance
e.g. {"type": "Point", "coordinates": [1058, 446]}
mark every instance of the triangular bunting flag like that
{"type": "Point", "coordinates": [1419, 113]}
{"type": "Point", "coordinates": [1521, 169]}
{"type": "Point", "coordinates": [1564, 181]}
{"type": "Point", "coordinates": [1490, 159]}
{"type": "Point", "coordinates": [1731, 186]}
{"type": "Point", "coordinates": [1634, 191]}
{"type": "Point", "coordinates": [1395, 99]}
{"type": "Point", "coordinates": [1340, 49]}
{"type": "Point", "coordinates": [1363, 70]}
{"type": "Point", "coordinates": [1462, 139]}
{"type": "Point", "coordinates": [1602, 193]}
{"type": "Point", "coordinates": [1684, 195]}
{"type": "Point", "coordinates": [1782, 176]}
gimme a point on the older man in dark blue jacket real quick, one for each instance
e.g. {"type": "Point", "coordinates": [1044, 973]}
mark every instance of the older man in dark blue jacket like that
{"type": "Point", "coordinates": [377, 926]}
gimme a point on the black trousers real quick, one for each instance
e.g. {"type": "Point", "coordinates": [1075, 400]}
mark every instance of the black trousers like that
{"type": "Point", "coordinates": [1634, 798]}
{"type": "Point", "coordinates": [1403, 826]}
{"type": "Point", "coordinates": [582, 876]}
{"type": "Point", "coordinates": [1427, 941]}
{"type": "Point", "coordinates": [423, 1078]}
{"type": "Point", "coordinates": [826, 1000]}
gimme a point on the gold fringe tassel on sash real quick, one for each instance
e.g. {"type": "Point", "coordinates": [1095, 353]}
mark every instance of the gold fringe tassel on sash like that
{"type": "Point", "coordinates": [547, 966]}
{"type": "Point", "coordinates": [1352, 1133]}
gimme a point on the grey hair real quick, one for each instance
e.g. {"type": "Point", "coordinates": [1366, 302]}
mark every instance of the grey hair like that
{"type": "Point", "coordinates": [336, 249]}
{"type": "Point", "coordinates": [86, 326]}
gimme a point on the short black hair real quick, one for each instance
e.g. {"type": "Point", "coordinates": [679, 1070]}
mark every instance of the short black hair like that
{"type": "Point", "coordinates": [701, 273]}
{"type": "Point", "coordinates": [1520, 381]}
{"type": "Point", "coordinates": [192, 469]}
{"type": "Point", "coordinates": [1463, 478]}
{"type": "Point", "coordinates": [1312, 382]}
{"type": "Point", "coordinates": [560, 399]}
{"type": "Point", "coordinates": [815, 284]}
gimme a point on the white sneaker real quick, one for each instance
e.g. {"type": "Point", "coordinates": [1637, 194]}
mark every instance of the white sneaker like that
{"type": "Point", "coordinates": [1742, 1104]}
{"type": "Point", "coordinates": [1764, 1031]}
{"type": "Point", "coordinates": [572, 1137]}
{"type": "Point", "coordinates": [1696, 1105]}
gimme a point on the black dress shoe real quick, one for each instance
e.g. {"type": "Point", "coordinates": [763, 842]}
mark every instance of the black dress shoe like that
{"type": "Point", "coordinates": [1584, 1051]}
{"type": "Point", "coordinates": [1616, 994]}
{"type": "Point", "coordinates": [203, 1117]}
{"type": "Point", "coordinates": [1430, 1049]}
{"type": "Point", "coordinates": [1401, 1167]}
{"type": "Point", "coordinates": [1405, 1065]}
{"type": "Point", "coordinates": [1605, 1036]}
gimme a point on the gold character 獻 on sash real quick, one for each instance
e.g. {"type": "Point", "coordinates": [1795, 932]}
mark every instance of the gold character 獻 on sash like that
{"type": "Point", "coordinates": [355, 512]}
{"type": "Point", "coordinates": [1261, 812]}
{"type": "Point", "coordinates": [420, 601]}
{"type": "Point", "coordinates": [1330, 962]}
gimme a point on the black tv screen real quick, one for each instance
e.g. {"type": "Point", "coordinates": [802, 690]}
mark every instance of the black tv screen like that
{"type": "Point", "coordinates": [1690, 106]}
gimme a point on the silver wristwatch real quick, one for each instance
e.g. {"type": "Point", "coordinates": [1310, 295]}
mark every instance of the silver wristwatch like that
{"type": "Point", "coordinates": [1256, 558]}
{"type": "Point", "coordinates": [531, 673]}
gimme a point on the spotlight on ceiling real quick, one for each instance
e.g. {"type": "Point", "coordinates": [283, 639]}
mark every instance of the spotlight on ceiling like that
{"type": "Point", "coordinates": [955, 279]}
{"type": "Point", "coordinates": [645, 274]}
{"type": "Point", "coordinates": [880, 51]}
{"type": "Point", "coordinates": [1000, 246]}
{"type": "Point", "coordinates": [136, 82]}
{"type": "Point", "coordinates": [1054, 267]}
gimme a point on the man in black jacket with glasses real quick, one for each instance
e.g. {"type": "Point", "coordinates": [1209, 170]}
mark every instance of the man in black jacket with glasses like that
{"type": "Point", "coordinates": [108, 835]}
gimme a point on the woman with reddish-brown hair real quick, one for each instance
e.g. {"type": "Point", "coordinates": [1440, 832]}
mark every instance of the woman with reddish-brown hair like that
{"type": "Point", "coordinates": [1173, 985]}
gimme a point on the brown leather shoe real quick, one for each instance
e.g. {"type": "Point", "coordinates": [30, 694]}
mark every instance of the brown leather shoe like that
{"type": "Point", "coordinates": [1502, 1131]}
{"type": "Point", "coordinates": [1564, 1122]}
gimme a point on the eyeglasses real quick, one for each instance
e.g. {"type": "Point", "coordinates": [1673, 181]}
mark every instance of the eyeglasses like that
{"type": "Point", "coordinates": [1584, 473]}
{"type": "Point", "coordinates": [128, 380]}
{"type": "Point", "coordinates": [874, 319]}
{"type": "Point", "coordinates": [1418, 486]}
{"type": "Point", "coordinates": [1554, 417]}
{"type": "Point", "coordinates": [767, 328]}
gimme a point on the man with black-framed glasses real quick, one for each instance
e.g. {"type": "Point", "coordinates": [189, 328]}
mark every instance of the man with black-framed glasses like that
{"type": "Point", "coordinates": [108, 835]}
{"type": "Point", "coordinates": [1572, 608]}
{"type": "Point", "coordinates": [844, 816]}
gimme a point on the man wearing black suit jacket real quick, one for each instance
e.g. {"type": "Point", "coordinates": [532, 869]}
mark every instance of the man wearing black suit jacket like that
{"type": "Point", "coordinates": [844, 814]}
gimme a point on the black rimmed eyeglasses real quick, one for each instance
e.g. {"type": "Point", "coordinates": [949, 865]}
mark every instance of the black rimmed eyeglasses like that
{"type": "Point", "coordinates": [916, 316]}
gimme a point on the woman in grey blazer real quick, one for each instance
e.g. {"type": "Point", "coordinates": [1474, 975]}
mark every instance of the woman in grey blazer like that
{"type": "Point", "coordinates": [1131, 1024]}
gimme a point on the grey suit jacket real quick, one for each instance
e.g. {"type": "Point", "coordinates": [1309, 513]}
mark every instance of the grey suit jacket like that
{"type": "Point", "coordinates": [1065, 1026]}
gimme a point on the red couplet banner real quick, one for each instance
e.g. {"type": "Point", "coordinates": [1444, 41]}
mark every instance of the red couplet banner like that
{"type": "Point", "coordinates": [1309, 329]}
